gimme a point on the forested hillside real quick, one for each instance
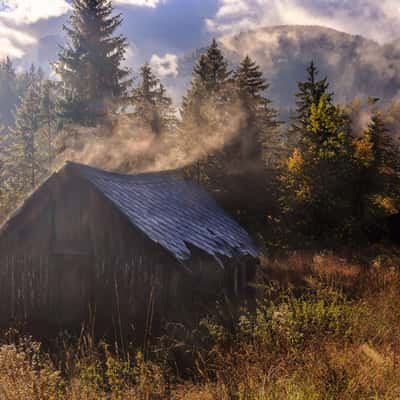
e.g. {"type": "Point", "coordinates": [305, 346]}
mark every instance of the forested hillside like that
{"type": "Point", "coordinates": [356, 66]}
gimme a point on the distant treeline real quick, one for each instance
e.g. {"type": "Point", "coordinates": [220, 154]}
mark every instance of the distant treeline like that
{"type": "Point", "coordinates": [330, 172]}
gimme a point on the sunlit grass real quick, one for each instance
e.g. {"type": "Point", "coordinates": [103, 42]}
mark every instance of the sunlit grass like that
{"type": "Point", "coordinates": [327, 327]}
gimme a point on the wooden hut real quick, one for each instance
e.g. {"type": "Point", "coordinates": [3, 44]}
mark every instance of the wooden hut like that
{"type": "Point", "coordinates": [132, 248]}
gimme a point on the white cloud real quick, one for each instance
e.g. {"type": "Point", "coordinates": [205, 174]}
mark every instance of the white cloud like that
{"type": "Point", "coordinates": [15, 35]}
{"type": "Point", "coordinates": [378, 20]}
{"type": "Point", "coordinates": [32, 11]}
{"type": "Point", "coordinates": [14, 42]}
{"type": "Point", "coordinates": [165, 66]}
{"type": "Point", "coordinates": [18, 35]}
{"type": "Point", "coordinates": [16, 16]}
{"type": "Point", "coordinates": [141, 3]}
{"type": "Point", "coordinates": [8, 49]}
{"type": "Point", "coordinates": [232, 7]}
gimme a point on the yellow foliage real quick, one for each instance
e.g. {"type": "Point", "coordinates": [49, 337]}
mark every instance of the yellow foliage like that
{"type": "Point", "coordinates": [296, 162]}
{"type": "Point", "coordinates": [388, 204]}
{"type": "Point", "coordinates": [387, 170]}
{"type": "Point", "coordinates": [363, 152]}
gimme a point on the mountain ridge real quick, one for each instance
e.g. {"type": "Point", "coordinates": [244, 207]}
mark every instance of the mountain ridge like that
{"type": "Point", "coordinates": [354, 65]}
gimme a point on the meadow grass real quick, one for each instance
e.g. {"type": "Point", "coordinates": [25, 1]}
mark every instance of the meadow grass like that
{"type": "Point", "coordinates": [327, 326]}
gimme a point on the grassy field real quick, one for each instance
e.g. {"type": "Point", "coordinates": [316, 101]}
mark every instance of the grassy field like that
{"type": "Point", "coordinates": [327, 327]}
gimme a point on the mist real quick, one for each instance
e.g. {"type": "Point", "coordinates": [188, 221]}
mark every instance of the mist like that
{"type": "Point", "coordinates": [122, 145]}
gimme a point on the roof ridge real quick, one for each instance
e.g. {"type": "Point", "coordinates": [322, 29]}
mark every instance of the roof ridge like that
{"type": "Point", "coordinates": [171, 172]}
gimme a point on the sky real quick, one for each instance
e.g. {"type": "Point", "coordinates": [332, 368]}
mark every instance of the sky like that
{"type": "Point", "coordinates": [161, 31]}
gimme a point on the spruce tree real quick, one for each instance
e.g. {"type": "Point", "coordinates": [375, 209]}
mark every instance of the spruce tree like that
{"type": "Point", "coordinates": [209, 92]}
{"type": "Point", "coordinates": [49, 118]}
{"type": "Point", "coordinates": [5, 192]}
{"type": "Point", "coordinates": [8, 93]}
{"type": "Point", "coordinates": [205, 108]}
{"type": "Point", "coordinates": [212, 69]}
{"type": "Point", "coordinates": [317, 182]}
{"type": "Point", "coordinates": [21, 161]}
{"type": "Point", "coordinates": [33, 76]}
{"type": "Point", "coordinates": [25, 138]}
{"type": "Point", "coordinates": [259, 122]}
{"type": "Point", "coordinates": [207, 111]}
{"type": "Point", "coordinates": [385, 151]}
{"type": "Point", "coordinates": [166, 109]}
{"type": "Point", "coordinates": [90, 68]}
{"type": "Point", "coordinates": [309, 93]}
{"type": "Point", "coordinates": [377, 181]}
{"type": "Point", "coordinates": [152, 106]}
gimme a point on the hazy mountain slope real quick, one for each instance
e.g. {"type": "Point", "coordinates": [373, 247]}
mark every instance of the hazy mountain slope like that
{"type": "Point", "coordinates": [48, 48]}
{"type": "Point", "coordinates": [355, 66]}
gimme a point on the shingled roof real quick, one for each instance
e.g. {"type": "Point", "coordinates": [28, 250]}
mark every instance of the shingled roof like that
{"type": "Point", "coordinates": [173, 212]}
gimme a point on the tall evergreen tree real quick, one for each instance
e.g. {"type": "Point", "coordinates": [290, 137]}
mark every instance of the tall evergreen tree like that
{"type": "Point", "coordinates": [309, 93]}
{"type": "Point", "coordinates": [152, 106]}
{"type": "Point", "coordinates": [93, 79]}
{"type": "Point", "coordinates": [317, 182]}
{"type": "Point", "coordinates": [378, 178]}
{"type": "Point", "coordinates": [7, 191]}
{"type": "Point", "coordinates": [18, 142]}
{"type": "Point", "coordinates": [25, 138]}
{"type": "Point", "coordinates": [206, 109]}
{"type": "Point", "coordinates": [259, 122]}
{"type": "Point", "coordinates": [48, 117]}
{"type": "Point", "coordinates": [209, 90]}
{"type": "Point", "coordinates": [212, 69]}
{"type": "Point", "coordinates": [33, 76]}
{"type": "Point", "coordinates": [8, 93]}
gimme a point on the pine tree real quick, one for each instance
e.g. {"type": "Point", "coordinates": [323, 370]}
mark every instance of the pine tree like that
{"type": "Point", "coordinates": [12, 188]}
{"type": "Point", "coordinates": [33, 76]}
{"type": "Point", "coordinates": [259, 122]}
{"type": "Point", "coordinates": [317, 182]}
{"type": "Point", "coordinates": [25, 138]}
{"type": "Point", "coordinates": [377, 181]}
{"type": "Point", "coordinates": [152, 106]}
{"type": "Point", "coordinates": [309, 93]}
{"type": "Point", "coordinates": [212, 69]}
{"type": "Point", "coordinates": [5, 192]}
{"type": "Point", "coordinates": [207, 111]}
{"type": "Point", "coordinates": [20, 145]}
{"type": "Point", "coordinates": [8, 93]}
{"type": "Point", "coordinates": [209, 90]}
{"type": "Point", "coordinates": [49, 118]}
{"type": "Point", "coordinates": [166, 109]}
{"type": "Point", "coordinates": [93, 79]}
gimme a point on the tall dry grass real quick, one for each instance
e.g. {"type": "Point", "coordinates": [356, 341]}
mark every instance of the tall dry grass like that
{"type": "Point", "coordinates": [327, 327]}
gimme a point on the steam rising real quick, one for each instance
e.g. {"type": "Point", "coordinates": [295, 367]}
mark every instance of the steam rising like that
{"type": "Point", "coordinates": [124, 147]}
